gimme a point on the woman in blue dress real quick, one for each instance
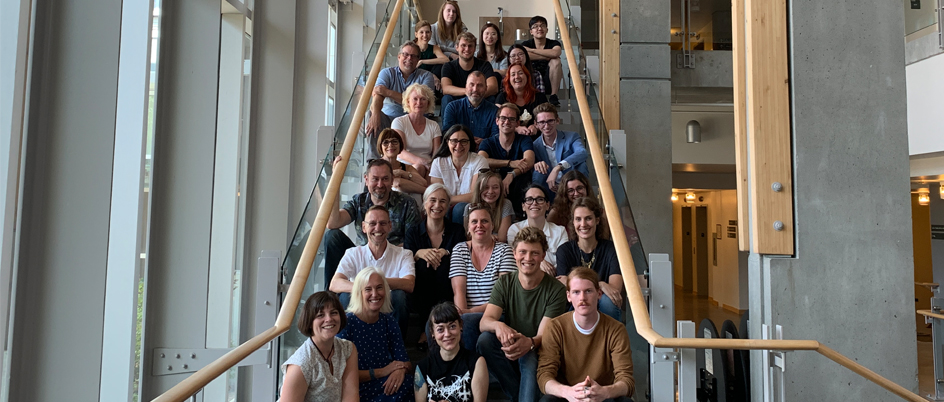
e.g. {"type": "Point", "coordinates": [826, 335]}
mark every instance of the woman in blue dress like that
{"type": "Point", "coordinates": [382, 361]}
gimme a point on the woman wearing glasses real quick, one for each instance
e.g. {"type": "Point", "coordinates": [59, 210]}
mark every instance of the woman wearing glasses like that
{"type": "Point", "coordinates": [572, 186]}
{"type": "Point", "coordinates": [476, 265]}
{"type": "Point", "coordinates": [519, 89]}
{"type": "Point", "coordinates": [421, 136]}
{"type": "Point", "coordinates": [518, 54]}
{"type": "Point", "coordinates": [456, 166]}
{"type": "Point", "coordinates": [535, 206]}
{"type": "Point", "coordinates": [406, 179]}
{"type": "Point", "coordinates": [593, 249]}
{"type": "Point", "coordinates": [490, 191]}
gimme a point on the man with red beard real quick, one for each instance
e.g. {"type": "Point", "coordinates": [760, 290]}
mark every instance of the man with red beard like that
{"type": "Point", "coordinates": [585, 355]}
{"type": "Point", "coordinates": [528, 300]}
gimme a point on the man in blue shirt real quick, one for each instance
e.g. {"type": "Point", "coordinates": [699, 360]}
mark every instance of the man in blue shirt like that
{"type": "Point", "coordinates": [557, 152]}
{"type": "Point", "coordinates": [472, 111]}
{"type": "Point", "coordinates": [511, 153]}
{"type": "Point", "coordinates": [387, 95]}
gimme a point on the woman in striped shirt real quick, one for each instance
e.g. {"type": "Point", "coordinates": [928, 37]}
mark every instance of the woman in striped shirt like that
{"type": "Point", "coordinates": [474, 267]}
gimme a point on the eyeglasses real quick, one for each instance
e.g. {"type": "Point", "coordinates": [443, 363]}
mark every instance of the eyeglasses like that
{"type": "Point", "coordinates": [390, 142]}
{"type": "Point", "coordinates": [534, 200]}
{"type": "Point", "coordinates": [572, 191]}
{"type": "Point", "coordinates": [538, 26]}
{"type": "Point", "coordinates": [546, 122]}
{"type": "Point", "coordinates": [507, 118]}
{"type": "Point", "coordinates": [409, 55]}
{"type": "Point", "coordinates": [377, 223]}
{"type": "Point", "coordinates": [453, 141]}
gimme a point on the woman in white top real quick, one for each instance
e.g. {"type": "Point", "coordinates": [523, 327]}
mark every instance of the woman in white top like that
{"type": "Point", "coordinates": [456, 165]}
{"type": "Point", "coordinates": [490, 191]}
{"type": "Point", "coordinates": [491, 50]}
{"type": "Point", "coordinates": [535, 205]}
{"type": "Point", "coordinates": [447, 28]}
{"type": "Point", "coordinates": [324, 368]}
{"type": "Point", "coordinates": [474, 268]}
{"type": "Point", "coordinates": [420, 135]}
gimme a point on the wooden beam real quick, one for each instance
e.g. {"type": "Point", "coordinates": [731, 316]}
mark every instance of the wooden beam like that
{"type": "Point", "coordinates": [610, 63]}
{"type": "Point", "coordinates": [768, 114]}
{"type": "Point", "coordinates": [740, 122]}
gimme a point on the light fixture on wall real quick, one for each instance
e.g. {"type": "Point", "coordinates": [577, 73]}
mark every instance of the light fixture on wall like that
{"type": "Point", "coordinates": [690, 197]}
{"type": "Point", "coordinates": [924, 196]}
{"type": "Point", "coordinates": [941, 189]}
{"type": "Point", "coordinates": [675, 196]}
{"type": "Point", "coordinates": [693, 132]}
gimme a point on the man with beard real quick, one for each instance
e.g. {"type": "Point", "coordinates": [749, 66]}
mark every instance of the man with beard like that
{"type": "Point", "coordinates": [528, 300]}
{"type": "Point", "coordinates": [395, 263]}
{"type": "Point", "coordinates": [456, 73]}
{"type": "Point", "coordinates": [401, 208]}
{"type": "Point", "coordinates": [472, 111]}
{"type": "Point", "coordinates": [585, 355]}
{"type": "Point", "coordinates": [387, 97]}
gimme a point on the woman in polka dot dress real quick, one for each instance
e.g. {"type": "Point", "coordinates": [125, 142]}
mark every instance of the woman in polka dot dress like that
{"type": "Point", "coordinates": [382, 361]}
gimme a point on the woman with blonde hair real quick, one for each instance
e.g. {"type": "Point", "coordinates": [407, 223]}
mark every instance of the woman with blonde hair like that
{"type": "Point", "coordinates": [421, 136]}
{"type": "Point", "coordinates": [382, 361]}
{"type": "Point", "coordinates": [446, 29]}
{"type": "Point", "coordinates": [490, 191]}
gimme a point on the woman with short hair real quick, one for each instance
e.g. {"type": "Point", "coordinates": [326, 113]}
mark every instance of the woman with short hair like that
{"type": "Point", "coordinates": [382, 361]}
{"type": "Point", "coordinates": [324, 368]}
{"type": "Point", "coordinates": [421, 136]}
{"type": "Point", "coordinates": [406, 179]}
{"type": "Point", "coordinates": [451, 372]}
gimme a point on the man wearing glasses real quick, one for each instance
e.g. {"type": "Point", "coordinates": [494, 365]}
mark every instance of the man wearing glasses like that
{"type": "Point", "coordinates": [395, 262]}
{"type": "Point", "coordinates": [510, 153]}
{"type": "Point", "coordinates": [545, 56]}
{"type": "Point", "coordinates": [387, 95]}
{"type": "Point", "coordinates": [557, 152]}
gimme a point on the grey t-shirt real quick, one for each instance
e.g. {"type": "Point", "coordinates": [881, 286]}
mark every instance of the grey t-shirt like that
{"type": "Point", "coordinates": [446, 46]}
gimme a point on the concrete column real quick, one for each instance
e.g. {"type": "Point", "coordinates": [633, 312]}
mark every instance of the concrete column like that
{"type": "Point", "coordinates": [849, 285]}
{"type": "Point", "coordinates": [645, 116]}
{"type": "Point", "coordinates": [59, 300]}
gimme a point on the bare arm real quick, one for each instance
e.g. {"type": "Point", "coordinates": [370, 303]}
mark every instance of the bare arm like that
{"type": "Point", "coordinates": [294, 386]}
{"type": "Point", "coordinates": [491, 322]}
{"type": "Point", "coordinates": [420, 389]}
{"type": "Point", "coordinates": [341, 284]}
{"type": "Point", "coordinates": [544, 54]}
{"type": "Point", "coordinates": [479, 381]}
{"type": "Point", "coordinates": [350, 391]}
{"type": "Point", "coordinates": [412, 158]}
{"type": "Point", "coordinates": [494, 163]}
{"type": "Point", "coordinates": [440, 58]}
{"type": "Point", "coordinates": [405, 283]}
{"type": "Point", "coordinates": [449, 89]}
{"type": "Point", "coordinates": [491, 86]}
{"type": "Point", "coordinates": [503, 229]}
{"type": "Point", "coordinates": [459, 284]}
{"type": "Point", "coordinates": [467, 197]}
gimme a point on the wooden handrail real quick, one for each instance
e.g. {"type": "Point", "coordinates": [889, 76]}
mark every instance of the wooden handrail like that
{"type": "Point", "coordinates": [932, 314]}
{"type": "Point", "coordinates": [636, 301]}
{"type": "Point", "coordinates": [202, 377]}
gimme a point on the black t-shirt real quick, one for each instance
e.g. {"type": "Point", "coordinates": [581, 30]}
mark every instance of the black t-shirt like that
{"type": "Point", "coordinates": [548, 44]}
{"type": "Point", "coordinates": [450, 381]}
{"type": "Point", "coordinates": [603, 258]}
{"type": "Point", "coordinates": [454, 71]}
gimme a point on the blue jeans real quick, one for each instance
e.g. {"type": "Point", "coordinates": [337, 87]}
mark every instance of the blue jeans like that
{"type": "Point", "coordinates": [606, 306]}
{"type": "Point", "coordinates": [458, 213]}
{"type": "Point", "coordinates": [518, 379]}
{"type": "Point", "coordinates": [400, 310]}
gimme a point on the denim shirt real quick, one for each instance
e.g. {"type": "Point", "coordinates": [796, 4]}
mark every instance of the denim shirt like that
{"type": "Point", "coordinates": [481, 119]}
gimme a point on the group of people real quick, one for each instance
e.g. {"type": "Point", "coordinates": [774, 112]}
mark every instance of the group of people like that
{"type": "Point", "coordinates": [487, 225]}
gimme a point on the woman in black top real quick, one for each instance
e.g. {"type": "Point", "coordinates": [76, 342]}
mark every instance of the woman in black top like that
{"type": "Point", "coordinates": [450, 373]}
{"type": "Point", "coordinates": [593, 251]}
{"type": "Point", "coordinates": [431, 241]}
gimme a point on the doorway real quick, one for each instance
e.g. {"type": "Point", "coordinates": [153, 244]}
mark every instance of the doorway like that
{"type": "Point", "coordinates": [694, 224]}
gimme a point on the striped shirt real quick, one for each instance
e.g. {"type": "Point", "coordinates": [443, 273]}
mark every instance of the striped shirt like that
{"type": "Point", "coordinates": [478, 286]}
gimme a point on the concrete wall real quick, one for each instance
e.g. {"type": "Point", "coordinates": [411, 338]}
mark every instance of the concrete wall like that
{"type": "Point", "coordinates": [925, 88]}
{"type": "Point", "coordinates": [717, 138]}
{"type": "Point", "coordinates": [850, 284]}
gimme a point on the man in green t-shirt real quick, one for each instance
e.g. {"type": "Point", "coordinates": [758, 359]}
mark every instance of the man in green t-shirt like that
{"type": "Point", "coordinates": [528, 300]}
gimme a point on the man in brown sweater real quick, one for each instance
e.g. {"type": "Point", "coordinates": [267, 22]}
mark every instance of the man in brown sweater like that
{"type": "Point", "coordinates": [585, 355]}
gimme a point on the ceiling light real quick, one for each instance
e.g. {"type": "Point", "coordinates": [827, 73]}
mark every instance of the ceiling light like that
{"type": "Point", "coordinates": [924, 196]}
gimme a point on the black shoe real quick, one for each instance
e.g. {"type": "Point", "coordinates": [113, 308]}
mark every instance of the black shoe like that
{"type": "Point", "coordinates": [554, 101]}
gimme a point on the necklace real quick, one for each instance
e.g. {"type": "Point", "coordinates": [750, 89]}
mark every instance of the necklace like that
{"type": "Point", "coordinates": [593, 257]}
{"type": "Point", "coordinates": [323, 356]}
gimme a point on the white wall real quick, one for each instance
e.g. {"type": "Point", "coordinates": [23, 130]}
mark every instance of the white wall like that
{"type": "Point", "coordinates": [717, 137]}
{"type": "Point", "coordinates": [925, 83]}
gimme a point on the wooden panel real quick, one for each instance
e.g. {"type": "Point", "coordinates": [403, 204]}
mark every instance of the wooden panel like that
{"type": "Point", "coordinates": [610, 63]}
{"type": "Point", "coordinates": [740, 122]}
{"type": "Point", "coordinates": [768, 108]}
